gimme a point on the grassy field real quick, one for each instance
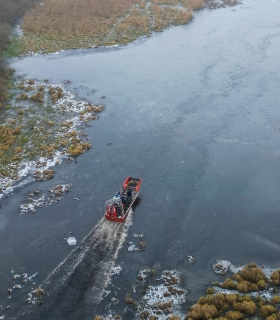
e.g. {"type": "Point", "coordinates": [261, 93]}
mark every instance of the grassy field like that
{"type": "Point", "coordinates": [66, 24]}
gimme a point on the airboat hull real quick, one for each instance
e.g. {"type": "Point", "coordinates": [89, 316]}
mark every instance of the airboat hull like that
{"type": "Point", "coordinates": [112, 211]}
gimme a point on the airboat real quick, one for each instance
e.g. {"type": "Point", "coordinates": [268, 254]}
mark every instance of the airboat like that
{"type": "Point", "coordinates": [117, 208]}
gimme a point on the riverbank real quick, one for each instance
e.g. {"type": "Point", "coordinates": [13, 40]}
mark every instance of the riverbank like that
{"type": "Point", "coordinates": [15, 117]}
{"type": "Point", "coordinates": [42, 126]}
{"type": "Point", "coordinates": [61, 25]}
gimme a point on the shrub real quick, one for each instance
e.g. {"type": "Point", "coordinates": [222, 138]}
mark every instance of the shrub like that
{"type": "Point", "coordinates": [272, 317]}
{"type": "Point", "coordinates": [22, 96]}
{"type": "Point", "coordinates": [231, 298]}
{"type": "Point", "coordinates": [210, 291]}
{"type": "Point", "coordinates": [39, 96]}
{"type": "Point", "coordinates": [205, 311]}
{"type": "Point", "coordinates": [247, 307]}
{"type": "Point", "coordinates": [261, 284]}
{"type": "Point", "coordinates": [267, 310]}
{"type": "Point", "coordinates": [234, 315]}
{"type": "Point", "coordinates": [252, 273]}
{"type": "Point", "coordinates": [276, 300]}
{"type": "Point", "coordinates": [245, 286]}
{"type": "Point", "coordinates": [275, 277]}
{"type": "Point", "coordinates": [228, 284]}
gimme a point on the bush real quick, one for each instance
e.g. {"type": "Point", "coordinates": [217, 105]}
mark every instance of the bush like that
{"type": "Point", "coordinates": [267, 310]}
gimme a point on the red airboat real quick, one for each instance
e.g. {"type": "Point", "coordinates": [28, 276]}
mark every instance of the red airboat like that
{"type": "Point", "coordinates": [116, 209]}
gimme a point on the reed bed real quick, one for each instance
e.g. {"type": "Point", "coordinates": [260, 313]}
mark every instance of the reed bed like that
{"type": "Point", "coordinates": [64, 24]}
{"type": "Point", "coordinates": [245, 302]}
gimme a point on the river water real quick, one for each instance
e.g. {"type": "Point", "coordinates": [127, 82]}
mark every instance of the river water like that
{"type": "Point", "coordinates": [194, 111]}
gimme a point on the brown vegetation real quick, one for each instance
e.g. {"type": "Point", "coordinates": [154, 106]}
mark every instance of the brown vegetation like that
{"type": "Point", "coordinates": [229, 306]}
{"type": "Point", "coordinates": [39, 96]}
{"type": "Point", "coordinates": [267, 310]}
{"type": "Point", "coordinates": [7, 138]}
{"type": "Point", "coordinates": [238, 306]}
{"type": "Point", "coordinates": [276, 300]}
{"type": "Point", "coordinates": [247, 307]}
{"type": "Point", "coordinates": [43, 175]}
{"type": "Point", "coordinates": [275, 277]}
{"type": "Point", "coordinates": [214, 4]}
{"type": "Point", "coordinates": [234, 315]}
{"type": "Point", "coordinates": [60, 24]}
{"type": "Point", "coordinates": [201, 312]}
{"type": "Point", "coordinates": [129, 300]}
{"type": "Point", "coordinates": [22, 96]}
{"type": "Point", "coordinates": [78, 148]}
{"type": "Point", "coordinates": [210, 291]}
{"type": "Point", "coordinates": [250, 279]}
{"type": "Point", "coordinates": [252, 273]}
{"type": "Point", "coordinates": [9, 12]}
{"type": "Point", "coordinates": [172, 317]}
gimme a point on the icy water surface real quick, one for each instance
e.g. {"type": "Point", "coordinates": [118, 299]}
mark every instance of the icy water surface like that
{"type": "Point", "coordinates": [194, 111]}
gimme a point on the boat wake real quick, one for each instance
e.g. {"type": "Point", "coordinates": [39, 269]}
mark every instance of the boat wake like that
{"type": "Point", "coordinates": [75, 287]}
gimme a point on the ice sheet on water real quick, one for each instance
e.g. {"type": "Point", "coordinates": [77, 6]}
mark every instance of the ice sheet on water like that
{"type": "Point", "coordinates": [71, 241]}
{"type": "Point", "coordinates": [116, 270]}
{"type": "Point", "coordinates": [132, 248]}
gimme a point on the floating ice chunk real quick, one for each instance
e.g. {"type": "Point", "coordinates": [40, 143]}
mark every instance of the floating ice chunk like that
{"type": "Point", "coordinates": [16, 276]}
{"type": "Point", "coordinates": [17, 286]}
{"type": "Point", "coordinates": [190, 259]}
{"type": "Point", "coordinates": [33, 276]}
{"type": "Point", "coordinates": [221, 266]}
{"type": "Point", "coordinates": [116, 270]}
{"type": "Point", "coordinates": [115, 300]}
{"type": "Point", "coordinates": [71, 241]}
{"type": "Point", "coordinates": [138, 235]}
{"type": "Point", "coordinates": [132, 248]}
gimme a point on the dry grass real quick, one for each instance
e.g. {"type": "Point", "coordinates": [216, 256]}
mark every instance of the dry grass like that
{"type": "Point", "coordinates": [239, 306]}
{"type": "Point", "coordinates": [210, 291]}
{"type": "Point", "coordinates": [61, 24]}
{"type": "Point", "coordinates": [275, 277]}
{"type": "Point", "coordinates": [202, 312]}
{"type": "Point", "coordinates": [230, 306]}
{"type": "Point", "coordinates": [276, 300]}
{"type": "Point", "coordinates": [34, 130]}
{"type": "Point", "coordinates": [129, 300]}
{"type": "Point", "coordinates": [22, 96]}
{"type": "Point", "coordinates": [252, 273]}
{"type": "Point", "coordinates": [234, 315]}
{"type": "Point", "coordinates": [39, 96]}
{"type": "Point", "coordinates": [246, 286]}
{"type": "Point", "coordinates": [78, 148]}
{"type": "Point", "coordinates": [8, 137]}
{"type": "Point", "coordinates": [250, 279]}
{"type": "Point", "coordinates": [247, 307]}
{"type": "Point", "coordinates": [267, 310]}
